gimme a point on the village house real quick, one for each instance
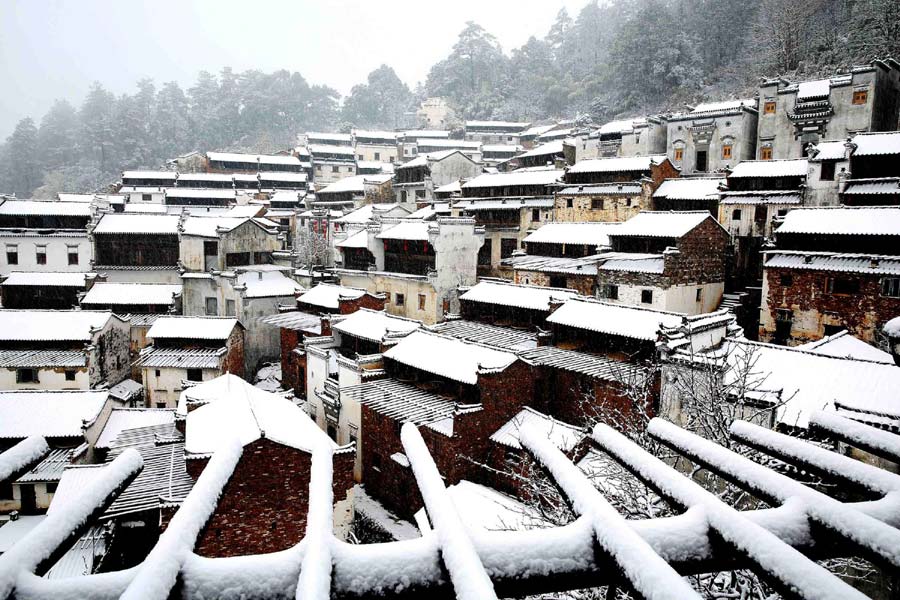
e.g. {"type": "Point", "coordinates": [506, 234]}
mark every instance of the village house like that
{"type": "Point", "coordinates": [56, 349]}
{"type": "Point", "coordinates": [494, 154]}
{"type": "Point", "coordinates": [408, 141]}
{"type": "Point", "coordinates": [416, 180]}
{"type": "Point", "coordinates": [495, 132]}
{"type": "Point", "coordinates": [199, 197]}
{"type": "Point", "coordinates": [151, 179]}
{"type": "Point", "coordinates": [610, 189]}
{"type": "Point", "coordinates": [133, 298]}
{"type": "Point", "coordinates": [563, 255]}
{"type": "Point", "coordinates": [221, 243]}
{"type": "Point", "coordinates": [868, 169]}
{"type": "Point", "coordinates": [145, 196]}
{"type": "Point", "coordinates": [249, 293]}
{"type": "Point", "coordinates": [426, 145]}
{"type": "Point", "coordinates": [757, 195]}
{"type": "Point", "coordinates": [550, 154]}
{"type": "Point", "coordinates": [327, 138]}
{"type": "Point", "coordinates": [354, 192]}
{"type": "Point", "coordinates": [528, 138]}
{"type": "Point", "coordinates": [670, 261]}
{"type": "Point", "coordinates": [503, 303]}
{"type": "Point", "coordinates": [331, 163]}
{"type": "Point", "coordinates": [375, 146]}
{"type": "Point", "coordinates": [418, 265]}
{"type": "Point", "coordinates": [356, 220]}
{"type": "Point", "coordinates": [265, 504]}
{"type": "Point", "coordinates": [137, 247]}
{"type": "Point", "coordinates": [64, 418]}
{"type": "Point", "coordinates": [271, 182]}
{"type": "Point", "coordinates": [232, 162]}
{"type": "Point", "coordinates": [435, 113]}
{"type": "Point", "coordinates": [220, 181]}
{"type": "Point", "coordinates": [188, 350]}
{"type": "Point", "coordinates": [508, 206]}
{"type": "Point", "coordinates": [794, 115]}
{"type": "Point", "coordinates": [689, 193]}
{"type": "Point", "coordinates": [832, 269]}
{"type": "Point", "coordinates": [44, 236]}
{"type": "Point", "coordinates": [643, 136]}
{"type": "Point", "coordinates": [349, 356]}
{"type": "Point", "coordinates": [50, 291]}
{"type": "Point", "coordinates": [328, 298]}
{"type": "Point", "coordinates": [712, 137]}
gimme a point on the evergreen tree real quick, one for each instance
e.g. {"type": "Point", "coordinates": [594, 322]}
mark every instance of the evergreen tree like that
{"type": "Point", "coordinates": [381, 102]}
{"type": "Point", "coordinates": [96, 142]}
{"type": "Point", "coordinates": [21, 159]}
{"type": "Point", "coordinates": [58, 136]}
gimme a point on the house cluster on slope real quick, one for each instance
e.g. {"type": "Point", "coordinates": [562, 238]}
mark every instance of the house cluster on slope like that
{"type": "Point", "coordinates": [472, 278]}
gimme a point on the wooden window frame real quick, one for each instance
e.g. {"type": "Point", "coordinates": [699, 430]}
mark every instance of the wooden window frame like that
{"type": "Point", "coordinates": [860, 97]}
{"type": "Point", "coordinates": [726, 152]}
{"type": "Point", "coordinates": [765, 153]}
{"type": "Point", "coordinates": [769, 107]}
{"type": "Point", "coordinates": [679, 154]}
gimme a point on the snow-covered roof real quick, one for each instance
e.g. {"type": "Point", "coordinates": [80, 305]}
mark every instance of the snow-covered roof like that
{"type": "Point", "coordinates": [844, 345]}
{"type": "Point", "coordinates": [889, 186]}
{"type": "Point", "coordinates": [592, 234]}
{"type": "Point", "coordinates": [267, 284]}
{"type": "Point", "coordinates": [448, 357]}
{"type": "Point", "coordinates": [622, 188]}
{"type": "Point", "coordinates": [833, 261]}
{"type": "Point", "coordinates": [614, 319]}
{"type": "Point", "coordinates": [375, 134]}
{"type": "Point", "coordinates": [785, 197]}
{"type": "Point", "coordinates": [331, 149]}
{"type": "Point", "coordinates": [355, 184]}
{"type": "Point", "coordinates": [700, 188]}
{"type": "Point", "coordinates": [359, 239]}
{"type": "Point", "coordinates": [47, 207]}
{"type": "Point", "coordinates": [374, 325]}
{"type": "Point", "coordinates": [194, 328]}
{"type": "Point", "coordinates": [514, 125]}
{"type": "Point", "coordinates": [843, 221]}
{"type": "Point", "coordinates": [628, 164]}
{"type": "Point", "coordinates": [21, 359]}
{"type": "Point", "coordinates": [138, 224]}
{"type": "Point", "coordinates": [485, 509]}
{"type": "Point", "coordinates": [33, 278]}
{"type": "Point", "coordinates": [502, 338]}
{"type": "Point", "coordinates": [361, 215]}
{"type": "Point", "coordinates": [622, 126]}
{"type": "Point", "coordinates": [180, 358]}
{"type": "Point", "coordinates": [793, 167]}
{"type": "Point", "coordinates": [405, 230]}
{"type": "Point", "coordinates": [296, 320]}
{"type": "Point", "coordinates": [51, 325]}
{"type": "Point", "coordinates": [454, 187]}
{"type": "Point", "coordinates": [149, 175]}
{"type": "Point", "coordinates": [834, 150]}
{"type": "Point", "coordinates": [50, 467]}
{"type": "Point", "coordinates": [329, 135]}
{"type": "Point", "coordinates": [121, 419]}
{"type": "Point", "coordinates": [211, 193]}
{"type": "Point", "coordinates": [423, 159]}
{"type": "Point", "coordinates": [13, 531]}
{"type": "Point", "coordinates": [283, 177]}
{"type": "Point", "coordinates": [234, 408]}
{"type": "Point", "coordinates": [726, 105]}
{"type": "Point", "coordinates": [159, 209]}
{"type": "Point", "coordinates": [48, 413]}
{"type": "Point", "coordinates": [584, 265]}
{"type": "Point", "coordinates": [212, 227]}
{"type": "Point", "coordinates": [666, 224]}
{"type": "Point", "coordinates": [632, 262]}
{"type": "Point", "coordinates": [513, 178]}
{"type": "Point", "coordinates": [425, 133]}
{"type": "Point", "coordinates": [562, 435]}
{"type": "Point", "coordinates": [550, 148]}
{"type": "Point", "coordinates": [402, 401]}
{"type": "Point", "coordinates": [262, 159]}
{"type": "Point", "coordinates": [132, 293]}
{"type": "Point", "coordinates": [531, 297]}
{"type": "Point", "coordinates": [877, 144]}
{"type": "Point", "coordinates": [328, 295]}
{"type": "Point", "coordinates": [809, 90]}
{"type": "Point", "coordinates": [501, 148]}
{"type": "Point", "coordinates": [503, 203]}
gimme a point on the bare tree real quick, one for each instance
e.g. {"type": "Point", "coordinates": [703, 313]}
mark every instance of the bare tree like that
{"type": "Point", "coordinates": [313, 248]}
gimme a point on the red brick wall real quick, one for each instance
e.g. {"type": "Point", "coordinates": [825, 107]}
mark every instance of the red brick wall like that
{"type": "Point", "coordinates": [293, 373]}
{"type": "Point", "coordinates": [234, 356]}
{"type": "Point", "coordinates": [365, 301]}
{"type": "Point", "coordinates": [264, 504]}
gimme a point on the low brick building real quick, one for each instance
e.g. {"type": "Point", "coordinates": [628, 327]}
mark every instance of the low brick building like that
{"type": "Point", "coordinates": [41, 290]}
{"type": "Point", "coordinates": [689, 193]}
{"type": "Point", "coordinates": [515, 305]}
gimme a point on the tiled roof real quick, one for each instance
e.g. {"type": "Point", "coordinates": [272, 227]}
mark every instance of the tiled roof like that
{"type": "Point", "coordinates": [50, 414]}
{"type": "Point", "coordinates": [614, 319]}
{"type": "Point", "coordinates": [502, 338]}
{"type": "Point", "coordinates": [770, 168]}
{"type": "Point", "coordinates": [121, 419]}
{"type": "Point", "coordinates": [834, 262]}
{"type": "Point", "coordinates": [38, 208]}
{"type": "Point", "coordinates": [562, 435]}
{"type": "Point", "coordinates": [877, 144]}
{"type": "Point", "coordinates": [843, 221]}
{"type": "Point", "coordinates": [22, 359]}
{"type": "Point", "coordinates": [132, 293]}
{"type": "Point", "coordinates": [889, 186]}
{"type": "Point", "coordinates": [448, 357]}
{"type": "Point", "coordinates": [195, 328]}
{"type": "Point", "coordinates": [164, 478]}
{"type": "Point", "coordinates": [49, 469]}
{"type": "Point", "coordinates": [181, 358]}
{"type": "Point", "coordinates": [48, 279]}
{"type": "Point", "coordinates": [375, 325]}
{"type": "Point", "coordinates": [529, 297]}
{"type": "Point", "coordinates": [700, 188]}
{"type": "Point", "coordinates": [599, 367]}
{"type": "Point", "coordinates": [668, 224]}
{"type": "Point", "coordinates": [51, 325]}
{"type": "Point", "coordinates": [590, 234]}
{"type": "Point", "coordinates": [554, 264]}
{"type": "Point", "coordinates": [401, 401]}
{"type": "Point", "coordinates": [327, 295]}
{"type": "Point", "coordinates": [617, 165]}
{"type": "Point", "coordinates": [296, 320]}
{"type": "Point", "coordinates": [138, 224]}
{"type": "Point", "coordinates": [488, 180]}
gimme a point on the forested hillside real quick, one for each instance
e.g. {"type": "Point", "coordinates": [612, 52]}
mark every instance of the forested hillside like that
{"type": "Point", "coordinates": [614, 58]}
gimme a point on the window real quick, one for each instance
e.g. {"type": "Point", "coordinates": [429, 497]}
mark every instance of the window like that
{"type": "Point", "coordinates": [40, 255]}
{"type": "Point", "coordinates": [646, 296]}
{"type": "Point", "coordinates": [726, 152]}
{"type": "Point", "coordinates": [558, 281]}
{"type": "Point", "coordinates": [359, 157]}
{"type": "Point", "coordinates": [146, 197]}
{"type": "Point", "coordinates": [769, 107]}
{"type": "Point", "coordinates": [72, 252]}
{"type": "Point", "coordinates": [420, 194]}
{"type": "Point", "coordinates": [484, 253]}
{"type": "Point", "coordinates": [784, 315]}
{"type": "Point", "coordinates": [833, 329]}
{"type": "Point", "coordinates": [860, 96]}
{"type": "Point", "coordinates": [568, 203]}
{"type": "Point", "coordinates": [786, 280]}
{"type": "Point", "coordinates": [161, 405]}
{"type": "Point", "coordinates": [736, 214]}
{"type": "Point", "coordinates": [597, 203]}
{"type": "Point", "coordinates": [335, 169]}
{"type": "Point", "coordinates": [699, 295]}
{"type": "Point", "coordinates": [765, 153]}
{"type": "Point", "coordinates": [332, 432]}
{"type": "Point", "coordinates": [827, 171]}
{"type": "Point", "coordinates": [229, 308]}
{"type": "Point", "coordinates": [157, 372]}
{"type": "Point", "coordinates": [535, 214]}
{"type": "Point", "coordinates": [679, 154]}
{"type": "Point", "coordinates": [399, 299]}
{"type": "Point", "coordinates": [609, 291]}
{"type": "Point", "coordinates": [508, 246]}
{"type": "Point", "coordinates": [421, 301]}
{"type": "Point", "coordinates": [26, 376]}
{"type": "Point", "coordinates": [212, 307]}
{"type": "Point", "coordinates": [12, 255]}
{"type": "Point", "coordinates": [195, 375]}
{"type": "Point", "coordinates": [378, 156]}
{"type": "Point", "coordinates": [51, 487]}
{"type": "Point", "coordinates": [210, 248]}
{"type": "Point", "coordinates": [890, 287]}
{"type": "Point", "coordinates": [70, 375]}
{"type": "Point", "coordinates": [842, 286]}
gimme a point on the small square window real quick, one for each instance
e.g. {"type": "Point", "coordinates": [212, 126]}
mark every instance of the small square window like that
{"type": "Point", "coordinates": [157, 372]}
{"type": "Point", "coordinates": [647, 296]}
{"type": "Point", "coordinates": [842, 286]}
{"type": "Point", "coordinates": [12, 255]}
{"type": "Point", "coordinates": [26, 376]}
{"type": "Point", "coordinates": [679, 154]}
{"type": "Point", "coordinates": [73, 255]}
{"type": "Point", "coordinates": [769, 107]}
{"type": "Point", "coordinates": [610, 292]}
{"type": "Point", "coordinates": [765, 153]}
{"type": "Point", "coordinates": [51, 487]}
{"type": "Point", "coordinates": [195, 375]}
{"type": "Point", "coordinates": [597, 203]}
{"type": "Point", "coordinates": [146, 197]}
{"type": "Point", "coordinates": [335, 169]}
{"type": "Point", "coordinates": [890, 287]}
{"type": "Point", "coordinates": [160, 405]}
{"type": "Point", "coordinates": [230, 308]}
{"type": "Point", "coordinates": [860, 96]}
{"type": "Point", "coordinates": [421, 301]}
{"type": "Point", "coordinates": [786, 280]}
{"type": "Point", "coordinates": [212, 307]}
{"type": "Point", "coordinates": [399, 299]}
{"type": "Point", "coordinates": [378, 156]}
{"type": "Point", "coordinates": [40, 255]}
{"type": "Point", "coordinates": [70, 375]}
{"type": "Point", "coordinates": [535, 214]}
{"type": "Point", "coordinates": [568, 202]}
{"type": "Point", "coordinates": [726, 152]}
{"type": "Point", "coordinates": [736, 214]}
{"type": "Point", "coordinates": [826, 172]}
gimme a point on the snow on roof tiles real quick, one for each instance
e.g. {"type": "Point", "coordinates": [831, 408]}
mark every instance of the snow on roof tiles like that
{"type": "Point", "coordinates": [617, 165]}
{"type": "Point", "coordinates": [284, 177]}
{"type": "Point", "coordinates": [562, 435]}
{"type": "Point", "coordinates": [835, 150]}
{"type": "Point", "coordinates": [795, 167]}
{"type": "Point", "coordinates": [211, 193]}
{"type": "Point", "coordinates": [402, 401]}
{"type": "Point", "coordinates": [46, 413]}
{"type": "Point", "coordinates": [886, 185]}
{"type": "Point", "coordinates": [262, 159]}
{"type": "Point", "coordinates": [592, 234]}
{"type": "Point", "coordinates": [554, 147]}
{"type": "Point", "coordinates": [360, 239]}
{"type": "Point", "coordinates": [13, 531]}
{"type": "Point", "coordinates": [129, 418]}
{"type": "Point", "coordinates": [361, 215]}
{"type": "Point", "coordinates": [132, 293]}
{"type": "Point", "coordinates": [21, 359]}
{"type": "Point", "coordinates": [726, 105]}
{"type": "Point", "coordinates": [423, 159]}
{"type": "Point", "coordinates": [842, 344]}
{"type": "Point", "coordinates": [405, 230]}
{"type": "Point", "coordinates": [197, 328]}
{"type": "Point", "coordinates": [149, 175]}
{"type": "Point", "coordinates": [448, 357]}
{"type": "Point", "coordinates": [631, 188]}
{"type": "Point", "coordinates": [296, 320]}
{"type": "Point", "coordinates": [614, 319]}
{"type": "Point", "coordinates": [487, 180]}
{"type": "Point", "coordinates": [322, 149]}
{"type": "Point", "coordinates": [529, 297]}
{"type": "Point", "coordinates": [809, 90]}
{"type": "Point", "coordinates": [502, 338]}
{"type": "Point", "coordinates": [834, 262]}
{"type": "Point", "coordinates": [138, 223]}
{"type": "Point", "coordinates": [701, 188]}
{"type": "Point", "coordinates": [51, 325]}
{"type": "Point", "coordinates": [355, 184]}
{"type": "Point", "coordinates": [585, 265]}
{"type": "Point", "coordinates": [48, 279]}
{"type": "Point", "coordinates": [267, 284]}
{"type": "Point", "coordinates": [842, 221]}
{"type": "Point", "coordinates": [877, 144]}
{"type": "Point", "coordinates": [668, 224]}
{"type": "Point", "coordinates": [622, 126]}
{"type": "Point", "coordinates": [234, 408]}
{"type": "Point", "coordinates": [375, 325]}
{"type": "Point", "coordinates": [632, 262]}
{"type": "Point", "coordinates": [53, 208]}
{"type": "Point", "coordinates": [328, 295]}
{"type": "Point", "coordinates": [180, 358]}
{"type": "Point", "coordinates": [762, 197]}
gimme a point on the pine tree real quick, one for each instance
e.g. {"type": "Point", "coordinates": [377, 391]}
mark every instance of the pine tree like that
{"type": "Point", "coordinates": [21, 161]}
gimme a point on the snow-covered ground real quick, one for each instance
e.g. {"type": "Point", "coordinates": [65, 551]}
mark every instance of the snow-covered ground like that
{"type": "Point", "coordinates": [268, 378]}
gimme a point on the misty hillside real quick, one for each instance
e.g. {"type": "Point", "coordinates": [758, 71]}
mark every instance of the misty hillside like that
{"type": "Point", "coordinates": [615, 58]}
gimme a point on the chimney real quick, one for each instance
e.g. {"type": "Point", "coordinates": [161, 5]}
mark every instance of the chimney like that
{"type": "Point", "coordinates": [892, 331]}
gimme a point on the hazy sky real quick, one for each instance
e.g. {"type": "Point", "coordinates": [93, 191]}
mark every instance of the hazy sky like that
{"type": "Point", "coordinates": [54, 49]}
